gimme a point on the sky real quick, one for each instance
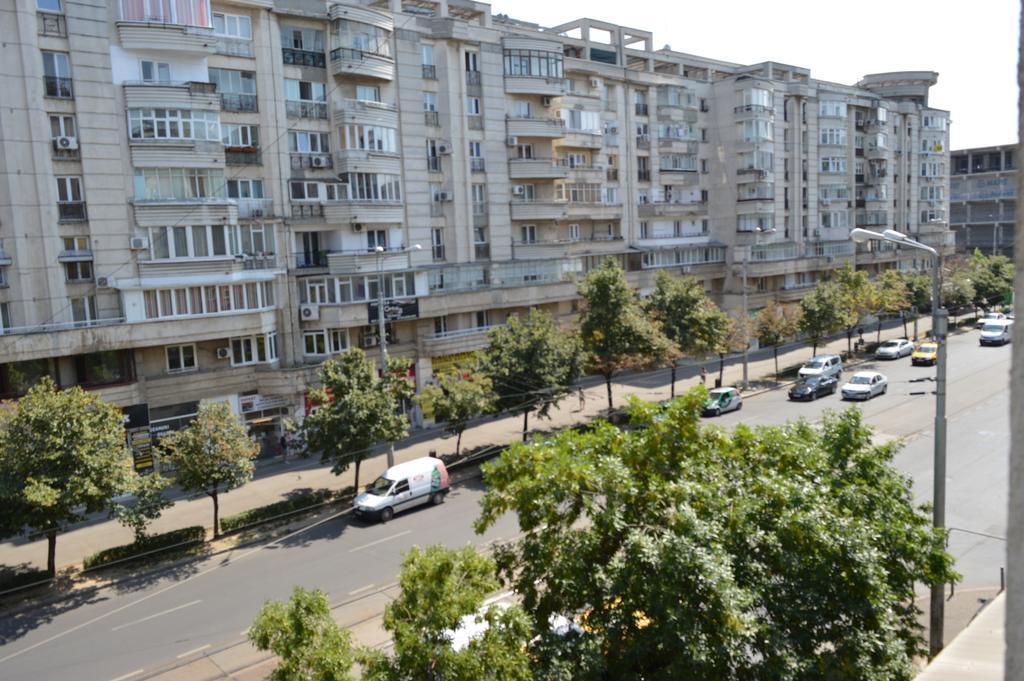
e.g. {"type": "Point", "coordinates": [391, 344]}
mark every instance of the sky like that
{"type": "Point", "coordinates": [971, 44]}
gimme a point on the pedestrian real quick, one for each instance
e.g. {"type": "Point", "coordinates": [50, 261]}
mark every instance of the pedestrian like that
{"type": "Point", "coordinates": [583, 399]}
{"type": "Point", "coordinates": [704, 376]}
{"type": "Point", "coordinates": [284, 446]}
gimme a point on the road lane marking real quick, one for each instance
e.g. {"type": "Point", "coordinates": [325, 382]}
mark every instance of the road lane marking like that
{"type": "Point", "coordinates": [380, 541]}
{"type": "Point", "coordinates": [361, 589]}
{"type": "Point", "coordinates": [128, 675]}
{"type": "Point", "coordinates": [155, 615]}
{"type": "Point", "coordinates": [194, 651]}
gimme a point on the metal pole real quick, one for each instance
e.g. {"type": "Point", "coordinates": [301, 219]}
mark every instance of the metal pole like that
{"type": "Point", "coordinates": [382, 337]}
{"type": "Point", "coordinates": [939, 319]}
{"type": "Point", "coordinates": [746, 329]}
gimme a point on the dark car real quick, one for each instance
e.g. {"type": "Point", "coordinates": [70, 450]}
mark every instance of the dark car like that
{"type": "Point", "coordinates": [812, 387]}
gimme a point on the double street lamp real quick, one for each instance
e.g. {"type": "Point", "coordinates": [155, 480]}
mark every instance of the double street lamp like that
{"type": "Point", "coordinates": [939, 325]}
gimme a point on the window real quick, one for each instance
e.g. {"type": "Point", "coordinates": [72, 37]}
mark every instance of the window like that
{"type": "Point", "coordinates": [835, 219]}
{"type": "Point", "coordinates": [833, 164]}
{"type": "Point", "coordinates": [180, 12]}
{"type": "Point", "coordinates": [5, 317]}
{"type": "Point", "coordinates": [376, 238]}
{"type": "Point", "coordinates": [833, 136]}
{"type": "Point", "coordinates": [235, 135]}
{"type": "Point", "coordinates": [339, 340]}
{"type": "Point", "coordinates": [441, 325]}
{"type": "Point", "coordinates": [83, 310]}
{"type": "Point", "coordinates": [173, 124]}
{"type": "Point", "coordinates": [304, 91]}
{"type": "Point", "coordinates": [832, 108]}
{"type": "Point", "coordinates": [371, 138]}
{"type": "Point", "coordinates": [315, 342]}
{"type": "Point", "coordinates": [208, 300]}
{"type": "Point", "coordinates": [581, 121]}
{"type": "Point", "coordinates": [483, 319]}
{"type": "Point", "coordinates": [236, 82]}
{"type": "Point", "coordinates": [178, 183]}
{"type": "Point", "coordinates": [521, 109]}
{"type": "Point", "coordinates": [574, 231]}
{"type": "Point", "coordinates": [753, 222]}
{"type": "Point", "coordinates": [528, 234]}
{"type": "Point", "coordinates": [232, 26]}
{"type": "Point", "coordinates": [78, 271]}
{"type": "Point", "coordinates": [372, 187]}
{"type": "Point", "coordinates": [474, 150]}
{"type": "Point", "coordinates": [181, 358]}
{"type": "Point", "coordinates": [245, 189]}
{"type": "Point", "coordinates": [754, 98]}
{"type": "Point", "coordinates": [317, 291]}
{"type": "Point", "coordinates": [473, 106]}
{"type": "Point", "coordinates": [533, 63]}
{"type": "Point", "coordinates": [307, 39]}
{"type": "Point", "coordinates": [317, 191]}
{"type": "Point", "coordinates": [478, 193]}
{"type": "Point", "coordinates": [309, 142]}
{"type": "Point", "coordinates": [368, 93]}
{"type": "Point", "coordinates": [758, 129]}
{"type": "Point", "coordinates": [257, 349]}
{"type": "Point", "coordinates": [429, 101]}
{"type": "Point", "coordinates": [69, 189]}
{"type": "Point", "coordinates": [62, 126]}
{"type": "Point", "coordinates": [472, 61]}
{"type": "Point", "coordinates": [57, 74]}
{"type": "Point", "coordinates": [427, 55]}
{"type": "Point", "coordinates": [931, 193]}
{"type": "Point", "coordinates": [48, 6]}
{"type": "Point", "coordinates": [524, 151]}
{"type": "Point", "coordinates": [156, 72]}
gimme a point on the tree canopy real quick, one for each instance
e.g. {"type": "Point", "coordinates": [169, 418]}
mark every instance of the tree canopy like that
{"type": "Point", "coordinates": [774, 324]}
{"type": "Point", "coordinates": [687, 316]}
{"type": "Point", "coordinates": [458, 397]}
{"type": "Point", "coordinates": [858, 296]}
{"type": "Point", "coordinates": [820, 313]}
{"type": "Point", "coordinates": [992, 277]}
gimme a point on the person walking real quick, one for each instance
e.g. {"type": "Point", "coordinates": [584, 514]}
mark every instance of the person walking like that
{"type": "Point", "coordinates": [583, 399]}
{"type": "Point", "coordinates": [704, 376]}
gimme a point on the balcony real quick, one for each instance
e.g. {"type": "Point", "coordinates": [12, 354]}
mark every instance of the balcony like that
{"type": "Point", "coordinates": [366, 111]}
{"type": "Point", "coordinates": [290, 55]}
{"type": "Point", "coordinates": [431, 119]}
{"type": "Point", "coordinates": [534, 85]}
{"type": "Point", "coordinates": [473, 79]}
{"type": "Point", "coordinates": [612, 175]}
{"type": "Point", "coordinates": [348, 61]}
{"type": "Point", "coordinates": [255, 208]}
{"type": "Point", "coordinates": [677, 113]}
{"type": "Point", "coordinates": [238, 103]}
{"type": "Point", "coordinates": [307, 212]}
{"type": "Point", "coordinates": [348, 262]}
{"type": "Point", "coordinates": [584, 210]}
{"type": "Point", "coordinates": [680, 145]}
{"type": "Point", "coordinates": [205, 211]}
{"type": "Point", "coordinates": [477, 164]}
{"type": "Point", "coordinates": [311, 161]}
{"type": "Point", "coordinates": [234, 47]}
{"type": "Point", "coordinates": [456, 341]}
{"type": "Point", "coordinates": [539, 210]}
{"type": "Point", "coordinates": [536, 127]}
{"type": "Point", "coordinates": [429, 72]}
{"type": "Point", "coordinates": [671, 209]}
{"type": "Point", "coordinates": [72, 211]}
{"type": "Point", "coordinates": [482, 251]}
{"type": "Point", "coordinates": [303, 109]}
{"type": "Point", "coordinates": [371, 212]}
{"type": "Point", "coordinates": [434, 164]}
{"type": "Point", "coordinates": [753, 109]}
{"type": "Point", "coordinates": [181, 95]}
{"type": "Point", "coordinates": [61, 88]}
{"type": "Point", "coordinates": [475, 122]}
{"type": "Point", "coordinates": [640, 109]}
{"type": "Point", "coordinates": [61, 154]}
{"type": "Point", "coordinates": [546, 249]}
{"type": "Point", "coordinates": [367, 161]}
{"type": "Point", "coordinates": [311, 260]}
{"type": "Point", "coordinates": [583, 139]}
{"type": "Point", "coordinates": [166, 37]}
{"type": "Point", "coordinates": [580, 172]}
{"type": "Point", "coordinates": [242, 156]}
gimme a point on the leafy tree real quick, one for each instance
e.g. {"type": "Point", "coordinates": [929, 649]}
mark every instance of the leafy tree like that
{"type": "Point", "coordinates": [687, 316]}
{"type": "Point", "coordinates": [820, 314]}
{"type": "Point", "coordinates": [457, 398]}
{"type": "Point", "coordinates": [992, 276]}
{"type": "Point", "coordinates": [442, 588]}
{"type": "Point", "coordinates": [357, 410]}
{"type": "Point", "coordinates": [213, 455]}
{"type": "Point", "coordinates": [957, 286]}
{"type": "Point", "coordinates": [532, 364]}
{"type": "Point", "coordinates": [773, 325]}
{"type": "Point", "coordinates": [615, 331]}
{"type": "Point", "coordinates": [62, 456]}
{"type": "Point", "coordinates": [311, 645]}
{"type": "Point", "coordinates": [728, 337]}
{"type": "Point", "coordinates": [858, 296]}
{"type": "Point", "coordinates": [893, 297]}
{"type": "Point", "coordinates": [149, 503]}
{"type": "Point", "coordinates": [785, 552]}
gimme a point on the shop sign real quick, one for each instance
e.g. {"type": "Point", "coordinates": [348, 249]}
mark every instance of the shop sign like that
{"type": "Point", "coordinates": [249, 403]}
{"type": "Point", "coordinates": [138, 436]}
{"type": "Point", "coordinates": [445, 363]}
{"type": "Point", "coordinates": [395, 310]}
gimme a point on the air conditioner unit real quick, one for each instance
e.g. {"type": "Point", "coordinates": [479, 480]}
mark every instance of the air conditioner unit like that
{"type": "Point", "coordinates": [611, 129]}
{"type": "Point", "coordinates": [595, 83]}
{"type": "Point", "coordinates": [139, 243]}
{"type": "Point", "coordinates": [511, 141]}
{"type": "Point", "coordinates": [357, 226]}
{"type": "Point", "coordinates": [518, 189]}
{"type": "Point", "coordinates": [319, 161]}
{"type": "Point", "coordinates": [224, 353]}
{"type": "Point", "coordinates": [64, 142]}
{"type": "Point", "coordinates": [309, 312]}
{"type": "Point", "coordinates": [546, 102]}
{"type": "Point", "coordinates": [104, 282]}
{"type": "Point", "coordinates": [444, 149]}
{"type": "Point", "coordinates": [369, 341]}
{"type": "Point", "coordinates": [444, 196]}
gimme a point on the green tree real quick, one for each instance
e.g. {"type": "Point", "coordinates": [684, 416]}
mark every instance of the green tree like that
{"type": "Point", "coordinates": [774, 324]}
{"type": "Point", "coordinates": [148, 505]}
{"type": "Point", "coordinates": [441, 588]}
{"type": "Point", "coordinates": [62, 456]}
{"type": "Point", "coordinates": [357, 410]}
{"type": "Point", "coordinates": [786, 552]}
{"type": "Point", "coordinates": [687, 316]}
{"type": "Point", "coordinates": [893, 297]}
{"type": "Point", "coordinates": [820, 314]}
{"type": "Point", "coordinates": [311, 645]}
{"type": "Point", "coordinates": [858, 296]}
{"type": "Point", "coordinates": [532, 364]}
{"type": "Point", "coordinates": [213, 455]}
{"type": "Point", "coordinates": [456, 398]}
{"type": "Point", "coordinates": [616, 332]}
{"type": "Point", "coordinates": [957, 286]}
{"type": "Point", "coordinates": [992, 276]}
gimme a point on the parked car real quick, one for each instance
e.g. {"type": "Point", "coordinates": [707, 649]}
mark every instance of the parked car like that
{"type": "Point", "coordinates": [813, 387]}
{"type": "Point", "coordinates": [721, 400]}
{"type": "Point", "coordinates": [864, 385]}
{"type": "Point", "coordinates": [420, 481]}
{"type": "Point", "coordinates": [989, 317]}
{"type": "Point", "coordinates": [996, 332]}
{"type": "Point", "coordinates": [927, 353]}
{"type": "Point", "coordinates": [894, 349]}
{"type": "Point", "coordinates": [822, 365]}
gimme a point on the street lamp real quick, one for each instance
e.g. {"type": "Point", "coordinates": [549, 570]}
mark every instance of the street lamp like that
{"type": "Point", "coordinates": [939, 322]}
{"type": "Point", "coordinates": [746, 308]}
{"type": "Point", "coordinates": [381, 336]}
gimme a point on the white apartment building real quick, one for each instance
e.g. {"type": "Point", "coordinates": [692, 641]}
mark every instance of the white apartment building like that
{"type": "Point", "coordinates": [193, 192]}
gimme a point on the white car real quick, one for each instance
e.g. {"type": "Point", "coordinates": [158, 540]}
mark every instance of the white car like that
{"type": "Point", "coordinates": [989, 317]}
{"type": "Point", "coordinates": [864, 385]}
{"type": "Point", "coordinates": [894, 349]}
{"type": "Point", "coordinates": [996, 332]}
{"type": "Point", "coordinates": [822, 365]}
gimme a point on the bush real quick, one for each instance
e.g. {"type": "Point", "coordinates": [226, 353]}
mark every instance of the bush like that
{"type": "Point", "coordinates": [12, 579]}
{"type": "Point", "coordinates": [297, 503]}
{"type": "Point", "coordinates": [185, 537]}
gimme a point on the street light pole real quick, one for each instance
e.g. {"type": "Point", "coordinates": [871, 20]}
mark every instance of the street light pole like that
{"type": "Point", "coordinates": [936, 615]}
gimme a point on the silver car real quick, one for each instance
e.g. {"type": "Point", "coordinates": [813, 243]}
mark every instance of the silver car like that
{"type": "Point", "coordinates": [894, 349]}
{"type": "Point", "coordinates": [864, 385]}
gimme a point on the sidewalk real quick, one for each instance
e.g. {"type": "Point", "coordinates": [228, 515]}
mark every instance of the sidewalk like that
{"type": "Point", "coordinates": [278, 480]}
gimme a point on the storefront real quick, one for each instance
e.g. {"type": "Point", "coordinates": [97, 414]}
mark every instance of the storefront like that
{"type": "Point", "coordinates": [263, 416]}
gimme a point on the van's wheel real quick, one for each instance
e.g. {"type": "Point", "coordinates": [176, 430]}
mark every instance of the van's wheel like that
{"type": "Point", "coordinates": [717, 412]}
{"type": "Point", "coordinates": [436, 498]}
{"type": "Point", "coordinates": [387, 514]}
{"type": "Point", "coordinates": [739, 407]}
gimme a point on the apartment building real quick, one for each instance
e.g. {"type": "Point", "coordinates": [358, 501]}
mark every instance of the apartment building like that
{"type": "Point", "coordinates": [983, 199]}
{"type": "Point", "coordinates": [204, 199]}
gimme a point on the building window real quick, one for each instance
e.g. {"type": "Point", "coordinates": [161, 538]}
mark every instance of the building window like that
{"type": "Point", "coordinates": [83, 310]}
{"type": "Point", "coordinates": [62, 126]}
{"type": "Point", "coordinates": [528, 234]}
{"type": "Point", "coordinates": [833, 165]}
{"type": "Point", "coordinates": [831, 108]}
{"type": "Point", "coordinates": [78, 271]}
{"type": "Point", "coordinates": [368, 93]}
{"type": "Point", "coordinates": [315, 342]}
{"type": "Point", "coordinates": [192, 13]}
{"type": "Point", "coordinates": [371, 138]}
{"type": "Point", "coordinates": [5, 317]}
{"type": "Point", "coordinates": [48, 6]}
{"type": "Point", "coordinates": [70, 201]}
{"type": "Point", "coordinates": [258, 349]}
{"type": "Point", "coordinates": [237, 89]}
{"type": "Point", "coordinates": [57, 75]}
{"type": "Point", "coordinates": [574, 231]}
{"type": "Point", "coordinates": [173, 124]}
{"type": "Point", "coordinates": [372, 187]}
{"type": "Point", "coordinates": [155, 71]}
{"type": "Point", "coordinates": [429, 101]}
{"type": "Point", "coordinates": [339, 340]}
{"type": "Point", "coordinates": [376, 238]}
{"type": "Point", "coordinates": [473, 106]}
{"type": "Point", "coordinates": [234, 135]}
{"type": "Point", "coordinates": [232, 26]}
{"type": "Point", "coordinates": [181, 358]}
{"type": "Point", "coordinates": [441, 325]}
{"type": "Point", "coordinates": [833, 136]}
{"type": "Point", "coordinates": [533, 63]}
{"type": "Point", "coordinates": [208, 300]}
{"type": "Point", "coordinates": [309, 142]}
{"type": "Point", "coordinates": [157, 184]}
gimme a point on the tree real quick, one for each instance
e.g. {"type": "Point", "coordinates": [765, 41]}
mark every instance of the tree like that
{"type": "Point", "coordinates": [819, 314]}
{"type": "Point", "coordinates": [456, 398]}
{"type": "Point", "coordinates": [858, 296]}
{"type": "Point", "coordinates": [957, 286]}
{"type": "Point", "coordinates": [356, 410]}
{"type": "Point", "coordinates": [63, 456]}
{"type": "Point", "coordinates": [728, 337]}
{"type": "Point", "coordinates": [688, 318]}
{"type": "Point", "coordinates": [784, 552]}
{"type": "Point", "coordinates": [532, 364]}
{"type": "Point", "coordinates": [893, 297]}
{"type": "Point", "coordinates": [149, 504]}
{"type": "Point", "coordinates": [441, 589]}
{"type": "Point", "coordinates": [773, 325]}
{"type": "Point", "coordinates": [212, 455]}
{"type": "Point", "coordinates": [615, 331]}
{"type": "Point", "coordinates": [992, 276]}
{"type": "Point", "coordinates": [311, 645]}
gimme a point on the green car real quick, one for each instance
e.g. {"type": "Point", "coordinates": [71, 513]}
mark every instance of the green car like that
{"type": "Point", "coordinates": [721, 400]}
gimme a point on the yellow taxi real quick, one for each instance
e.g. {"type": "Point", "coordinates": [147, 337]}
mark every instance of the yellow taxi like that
{"type": "Point", "coordinates": [925, 353]}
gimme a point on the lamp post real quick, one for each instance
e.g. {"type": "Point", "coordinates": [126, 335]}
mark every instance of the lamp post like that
{"type": "Point", "coordinates": [381, 335]}
{"type": "Point", "coordinates": [746, 307]}
{"type": "Point", "coordinates": [936, 613]}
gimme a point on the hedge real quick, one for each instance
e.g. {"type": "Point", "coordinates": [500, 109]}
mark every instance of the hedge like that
{"type": "Point", "coordinates": [10, 579]}
{"type": "Point", "coordinates": [279, 508]}
{"type": "Point", "coordinates": [186, 537]}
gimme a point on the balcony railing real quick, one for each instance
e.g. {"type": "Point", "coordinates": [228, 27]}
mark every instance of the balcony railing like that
{"type": "Point", "coordinates": [459, 333]}
{"type": "Point", "coordinates": [612, 174]}
{"type": "Point", "coordinates": [476, 122]}
{"type": "Point", "coordinates": [255, 208]}
{"type": "Point", "coordinates": [432, 119]}
{"type": "Point", "coordinates": [477, 165]}
{"type": "Point", "coordinates": [237, 102]}
{"type": "Point", "coordinates": [753, 108]}
{"type": "Point", "coordinates": [482, 251]}
{"type": "Point", "coordinates": [234, 47]}
{"type": "Point", "coordinates": [640, 109]}
{"type": "Point", "coordinates": [243, 157]}
{"type": "Point", "coordinates": [434, 164]}
{"type": "Point", "coordinates": [62, 326]}
{"type": "Point", "coordinates": [353, 54]}
{"type": "Point", "coordinates": [472, 77]}
{"type": "Point", "coordinates": [311, 259]}
{"type": "Point", "coordinates": [291, 55]}
{"type": "Point", "coordinates": [72, 211]}
{"type": "Point", "coordinates": [58, 87]}
{"type": "Point", "coordinates": [436, 209]}
{"type": "Point", "coordinates": [643, 175]}
{"type": "Point", "coordinates": [306, 211]}
{"type": "Point", "coordinates": [302, 109]}
{"type": "Point", "coordinates": [429, 72]}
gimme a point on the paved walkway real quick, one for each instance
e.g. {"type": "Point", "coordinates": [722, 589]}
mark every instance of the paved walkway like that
{"type": "Point", "coordinates": [276, 481]}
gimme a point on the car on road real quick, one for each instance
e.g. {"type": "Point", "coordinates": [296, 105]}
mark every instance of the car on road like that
{"type": "Point", "coordinates": [420, 481]}
{"type": "Point", "coordinates": [822, 365]}
{"type": "Point", "coordinates": [864, 385]}
{"type": "Point", "coordinates": [997, 332]}
{"type": "Point", "coordinates": [813, 387]}
{"type": "Point", "coordinates": [721, 400]}
{"type": "Point", "coordinates": [927, 353]}
{"type": "Point", "coordinates": [989, 317]}
{"type": "Point", "coordinates": [894, 349]}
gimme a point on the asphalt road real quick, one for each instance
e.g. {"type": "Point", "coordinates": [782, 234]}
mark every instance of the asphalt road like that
{"type": "Point", "coordinates": [123, 631]}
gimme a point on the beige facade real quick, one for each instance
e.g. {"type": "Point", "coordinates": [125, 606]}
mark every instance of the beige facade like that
{"type": "Point", "coordinates": [191, 193]}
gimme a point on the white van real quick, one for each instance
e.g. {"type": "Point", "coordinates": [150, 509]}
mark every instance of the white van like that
{"type": "Point", "coordinates": [822, 365]}
{"type": "Point", "coordinates": [996, 332]}
{"type": "Point", "coordinates": [408, 484]}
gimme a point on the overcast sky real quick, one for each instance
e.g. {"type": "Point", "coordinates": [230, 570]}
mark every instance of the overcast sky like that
{"type": "Point", "coordinates": [971, 43]}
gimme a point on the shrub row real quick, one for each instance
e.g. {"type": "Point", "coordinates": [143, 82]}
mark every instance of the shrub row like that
{"type": "Point", "coordinates": [11, 579]}
{"type": "Point", "coordinates": [186, 537]}
{"type": "Point", "coordinates": [279, 508]}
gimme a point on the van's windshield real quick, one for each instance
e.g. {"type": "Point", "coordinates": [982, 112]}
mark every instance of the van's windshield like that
{"type": "Point", "coordinates": [993, 328]}
{"type": "Point", "coordinates": [380, 486]}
